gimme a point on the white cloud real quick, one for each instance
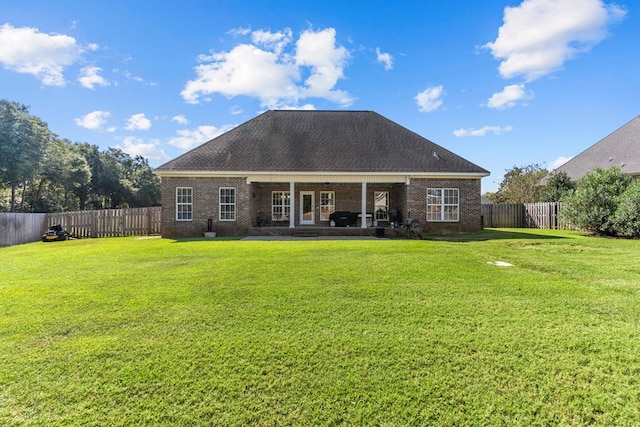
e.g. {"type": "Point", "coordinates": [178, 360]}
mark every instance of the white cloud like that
{"type": "Point", "coordinates": [89, 78]}
{"type": "Point", "coordinates": [509, 97]}
{"type": "Point", "coordinates": [45, 56]}
{"type": "Point", "coordinates": [139, 147]}
{"type": "Point", "coordinates": [94, 120]}
{"type": "Point", "coordinates": [138, 122]}
{"type": "Point", "coordinates": [385, 59]}
{"type": "Point", "coordinates": [180, 119]}
{"type": "Point", "coordinates": [241, 31]}
{"type": "Point", "coordinates": [273, 41]}
{"type": "Point", "coordinates": [130, 76]}
{"type": "Point", "coordinates": [298, 107]}
{"type": "Point", "coordinates": [245, 70]}
{"type": "Point", "coordinates": [318, 50]}
{"type": "Point", "coordinates": [272, 75]}
{"type": "Point", "coordinates": [558, 162]}
{"type": "Point", "coordinates": [430, 99]}
{"type": "Point", "coordinates": [188, 139]}
{"type": "Point", "coordinates": [496, 130]}
{"type": "Point", "coordinates": [538, 36]}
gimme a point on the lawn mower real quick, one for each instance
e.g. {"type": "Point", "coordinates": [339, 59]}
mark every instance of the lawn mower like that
{"type": "Point", "coordinates": [55, 233]}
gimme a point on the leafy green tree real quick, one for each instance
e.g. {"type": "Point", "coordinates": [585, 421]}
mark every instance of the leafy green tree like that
{"type": "Point", "coordinates": [22, 141]}
{"type": "Point", "coordinates": [492, 197]}
{"type": "Point", "coordinates": [105, 178]}
{"type": "Point", "coordinates": [44, 194]}
{"type": "Point", "coordinates": [63, 183]}
{"type": "Point", "coordinates": [145, 183]}
{"type": "Point", "coordinates": [593, 205]}
{"type": "Point", "coordinates": [115, 187]}
{"type": "Point", "coordinates": [78, 178]}
{"type": "Point", "coordinates": [56, 174]}
{"type": "Point", "coordinates": [627, 216]}
{"type": "Point", "coordinates": [139, 185]}
{"type": "Point", "coordinates": [119, 180]}
{"type": "Point", "coordinates": [557, 186]}
{"type": "Point", "coordinates": [521, 184]}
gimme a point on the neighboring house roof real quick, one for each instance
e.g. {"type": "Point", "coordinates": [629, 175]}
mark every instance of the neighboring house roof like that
{"type": "Point", "coordinates": [320, 141]}
{"type": "Point", "coordinates": [621, 148]}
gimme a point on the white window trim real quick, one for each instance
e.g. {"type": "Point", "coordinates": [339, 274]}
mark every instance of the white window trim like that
{"type": "Point", "coordinates": [444, 205]}
{"type": "Point", "coordinates": [333, 205]}
{"type": "Point", "coordinates": [178, 204]}
{"type": "Point", "coordinates": [234, 204]}
{"type": "Point", "coordinates": [285, 196]}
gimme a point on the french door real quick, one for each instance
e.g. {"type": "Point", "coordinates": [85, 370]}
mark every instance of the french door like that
{"type": "Point", "coordinates": [307, 208]}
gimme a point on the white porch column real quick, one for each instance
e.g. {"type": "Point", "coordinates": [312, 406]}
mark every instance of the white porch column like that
{"type": "Point", "coordinates": [363, 207]}
{"type": "Point", "coordinates": [292, 202]}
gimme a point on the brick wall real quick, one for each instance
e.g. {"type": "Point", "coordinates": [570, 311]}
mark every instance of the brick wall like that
{"type": "Point", "coordinates": [470, 206]}
{"type": "Point", "coordinates": [205, 206]}
{"type": "Point", "coordinates": [251, 199]}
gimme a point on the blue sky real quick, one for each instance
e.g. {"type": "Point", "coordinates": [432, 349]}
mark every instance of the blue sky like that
{"type": "Point", "coordinates": [501, 83]}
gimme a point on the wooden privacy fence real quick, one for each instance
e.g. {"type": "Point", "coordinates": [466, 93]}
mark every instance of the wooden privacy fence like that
{"type": "Point", "coordinates": [523, 215]}
{"type": "Point", "coordinates": [109, 222]}
{"type": "Point", "coordinates": [19, 228]}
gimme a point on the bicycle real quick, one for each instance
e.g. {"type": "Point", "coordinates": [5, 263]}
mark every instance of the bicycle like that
{"type": "Point", "coordinates": [412, 229]}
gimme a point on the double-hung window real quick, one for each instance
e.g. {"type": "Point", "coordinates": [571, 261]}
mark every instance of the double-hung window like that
{"type": "Point", "coordinates": [280, 205]}
{"type": "Point", "coordinates": [327, 204]}
{"type": "Point", "coordinates": [443, 204]}
{"type": "Point", "coordinates": [227, 204]}
{"type": "Point", "coordinates": [184, 203]}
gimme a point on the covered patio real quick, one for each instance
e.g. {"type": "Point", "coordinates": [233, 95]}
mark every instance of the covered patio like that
{"type": "Point", "coordinates": [313, 204]}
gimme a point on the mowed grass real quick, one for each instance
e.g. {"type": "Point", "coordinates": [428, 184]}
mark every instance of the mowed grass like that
{"type": "Point", "coordinates": [156, 332]}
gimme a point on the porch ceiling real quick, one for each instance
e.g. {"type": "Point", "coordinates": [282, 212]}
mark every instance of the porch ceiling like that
{"type": "Point", "coordinates": [341, 178]}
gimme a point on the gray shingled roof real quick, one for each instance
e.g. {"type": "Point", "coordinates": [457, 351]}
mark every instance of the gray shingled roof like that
{"type": "Point", "coordinates": [621, 148]}
{"type": "Point", "coordinates": [320, 141]}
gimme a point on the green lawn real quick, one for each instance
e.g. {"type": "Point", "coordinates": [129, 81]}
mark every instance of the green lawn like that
{"type": "Point", "coordinates": [153, 332]}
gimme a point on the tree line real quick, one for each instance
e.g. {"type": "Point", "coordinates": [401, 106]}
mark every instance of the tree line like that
{"type": "Point", "coordinates": [604, 202]}
{"type": "Point", "coordinates": [41, 172]}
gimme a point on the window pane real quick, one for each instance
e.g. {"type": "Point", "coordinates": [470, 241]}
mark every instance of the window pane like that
{"type": "Point", "coordinates": [443, 204]}
{"type": "Point", "coordinates": [280, 205]}
{"type": "Point", "coordinates": [433, 213]}
{"type": "Point", "coordinates": [184, 203]}
{"type": "Point", "coordinates": [381, 205]}
{"type": "Point", "coordinates": [227, 204]}
{"type": "Point", "coordinates": [327, 204]}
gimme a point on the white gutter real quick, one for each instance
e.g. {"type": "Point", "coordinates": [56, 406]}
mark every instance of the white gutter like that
{"type": "Point", "coordinates": [252, 176]}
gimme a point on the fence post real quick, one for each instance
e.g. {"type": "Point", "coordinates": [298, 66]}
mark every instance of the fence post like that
{"type": "Point", "coordinates": [148, 222]}
{"type": "Point", "coordinates": [94, 223]}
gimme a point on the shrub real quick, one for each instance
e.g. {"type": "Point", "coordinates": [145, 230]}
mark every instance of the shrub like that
{"type": "Point", "coordinates": [557, 186]}
{"type": "Point", "coordinates": [594, 203]}
{"type": "Point", "coordinates": [627, 216]}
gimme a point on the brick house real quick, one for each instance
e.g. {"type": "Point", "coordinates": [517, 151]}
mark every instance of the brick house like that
{"type": "Point", "coordinates": [290, 170]}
